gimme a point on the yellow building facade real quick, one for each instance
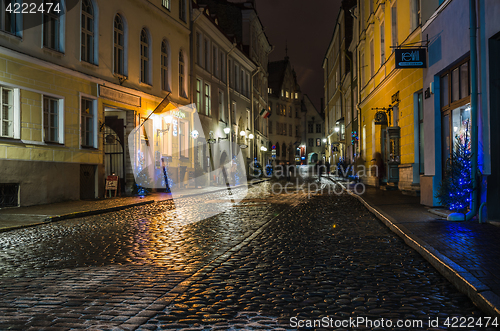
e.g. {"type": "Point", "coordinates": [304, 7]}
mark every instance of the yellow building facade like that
{"type": "Point", "coordinates": [395, 94]}
{"type": "Point", "coordinates": [72, 94]}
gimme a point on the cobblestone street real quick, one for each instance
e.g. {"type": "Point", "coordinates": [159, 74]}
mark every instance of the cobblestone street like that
{"type": "Point", "coordinates": [265, 260]}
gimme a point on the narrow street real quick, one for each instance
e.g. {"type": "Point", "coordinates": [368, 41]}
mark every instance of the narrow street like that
{"type": "Point", "coordinates": [263, 261]}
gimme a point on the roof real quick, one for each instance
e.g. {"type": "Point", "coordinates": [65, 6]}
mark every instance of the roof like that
{"type": "Point", "coordinates": [277, 70]}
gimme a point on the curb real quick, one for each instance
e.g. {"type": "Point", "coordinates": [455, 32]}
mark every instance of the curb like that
{"type": "Point", "coordinates": [464, 281]}
{"type": "Point", "coordinates": [85, 213]}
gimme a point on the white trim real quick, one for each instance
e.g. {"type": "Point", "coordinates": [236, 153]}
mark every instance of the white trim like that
{"type": "Point", "coordinates": [436, 14]}
{"type": "Point", "coordinates": [96, 33]}
{"type": "Point", "coordinates": [95, 119]}
{"type": "Point", "coordinates": [61, 126]}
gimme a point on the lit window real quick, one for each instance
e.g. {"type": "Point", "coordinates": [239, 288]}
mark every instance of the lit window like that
{"type": "Point", "coordinates": [208, 100]}
{"type": "Point", "coordinates": [88, 123]}
{"type": "Point", "coordinates": [7, 113]}
{"type": "Point", "coordinates": [51, 120]}
{"type": "Point", "coordinates": [165, 4]}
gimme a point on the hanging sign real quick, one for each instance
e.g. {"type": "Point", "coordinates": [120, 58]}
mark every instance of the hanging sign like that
{"type": "Point", "coordinates": [410, 58]}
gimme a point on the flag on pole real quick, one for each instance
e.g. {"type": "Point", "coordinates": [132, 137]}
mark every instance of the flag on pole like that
{"type": "Point", "coordinates": [265, 113]}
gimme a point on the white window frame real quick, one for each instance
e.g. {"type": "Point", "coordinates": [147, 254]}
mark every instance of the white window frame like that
{"type": "Point", "coordinates": [394, 25]}
{"type": "Point", "coordinates": [60, 119]}
{"type": "Point", "coordinates": [16, 111]}
{"type": "Point", "coordinates": [124, 46]}
{"type": "Point", "coordinates": [198, 90]}
{"type": "Point", "coordinates": [207, 99]}
{"type": "Point", "coordinates": [94, 121]}
{"type": "Point", "coordinates": [95, 34]}
{"type": "Point", "coordinates": [166, 4]}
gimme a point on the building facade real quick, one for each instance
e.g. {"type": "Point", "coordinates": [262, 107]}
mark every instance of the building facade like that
{"type": "Point", "coordinates": [285, 120]}
{"type": "Point", "coordinates": [75, 91]}
{"type": "Point", "coordinates": [449, 85]}
{"type": "Point", "coordinates": [221, 88]}
{"type": "Point", "coordinates": [313, 128]}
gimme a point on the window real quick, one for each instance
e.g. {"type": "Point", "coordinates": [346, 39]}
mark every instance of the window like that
{"type": "Point", "coordinates": [222, 66]}
{"type": "Point", "coordinates": [233, 112]}
{"type": "Point", "coordinates": [290, 111]}
{"type": "Point", "coordinates": [287, 94]}
{"type": "Point", "coordinates": [10, 22]}
{"type": "Point", "coordinates": [270, 127]}
{"type": "Point", "coordinates": [310, 128]}
{"type": "Point", "coordinates": [215, 69]}
{"type": "Point", "coordinates": [318, 128]}
{"type": "Point", "coordinates": [310, 142]}
{"type": "Point", "coordinates": [382, 43]}
{"type": "Point", "coordinates": [198, 95]}
{"type": "Point", "coordinates": [88, 123]}
{"type": "Point", "coordinates": [283, 149]}
{"type": "Point", "coordinates": [371, 5]}
{"type": "Point", "coordinates": [318, 142]}
{"type": "Point", "coordinates": [296, 95]}
{"type": "Point", "coordinates": [420, 110]}
{"type": "Point", "coordinates": [208, 100]}
{"type": "Point", "coordinates": [145, 57]}
{"type": "Point", "coordinates": [362, 69]}
{"type": "Point", "coordinates": [165, 4]}
{"type": "Point", "coordinates": [182, 10]}
{"type": "Point", "coordinates": [183, 139]}
{"type": "Point", "coordinates": [415, 14]}
{"type": "Point", "coordinates": [296, 114]}
{"type": "Point", "coordinates": [242, 81]}
{"type": "Point", "coordinates": [284, 129]}
{"type": "Point", "coordinates": [87, 32]}
{"type": "Point", "coordinates": [236, 81]}
{"type": "Point", "coordinates": [297, 131]}
{"type": "Point", "coordinates": [199, 50]}
{"type": "Point", "coordinates": [222, 115]}
{"type": "Point", "coordinates": [230, 67]}
{"type": "Point", "coordinates": [248, 119]}
{"type": "Point", "coordinates": [394, 22]}
{"type": "Point", "coordinates": [277, 149]}
{"type": "Point", "coordinates": [207, 55]}
{"type": "Point", "coordinates": [290, 130]}
{"type": "Point", "coordinates": [53, 27]}
{"type": "Point", "coordinates": [372, 59]}
{"type": "Point", "coordinates": [164, 66]}
{"type": "Point", "coordinates": [51, 120]}
{"type": "Point", "coordinates": [182, 89]}
{"type": "Point", "coordinates": [7, 112]}
{"type": "Point", "coordinates": [119, 46]}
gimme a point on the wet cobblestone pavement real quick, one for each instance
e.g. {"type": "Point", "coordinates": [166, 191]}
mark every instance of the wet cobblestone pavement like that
{"type": "Point", "coordinates": [266, 259]}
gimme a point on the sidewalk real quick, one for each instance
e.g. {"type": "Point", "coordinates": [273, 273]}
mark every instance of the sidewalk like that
{"type": "Point", "coordinates": [466, 253]}
{"type": "Point", "coordinates": [21, 217]}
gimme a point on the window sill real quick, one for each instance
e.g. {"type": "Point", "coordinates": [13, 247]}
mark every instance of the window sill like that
{"type": "Point", "coordinates": [145, 84]}
{"type": "Point", "coordinates": [11, 35]}
{"type": "Point", "coordinates": [53, 143]}
{"type": "Point", "coordinates": [52, 51]}
{"type": "Point", "coordinates": [89, 148]}
{"type": "Point", "coordinates": [89, 64]}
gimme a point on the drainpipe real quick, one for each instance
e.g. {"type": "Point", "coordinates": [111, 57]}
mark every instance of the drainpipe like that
{"type": "Point", "coordinates": [230, 140]}
{"type": "Point", "coordinates": [473, 106]}
{"type": "Point", "coordinates": [252, 117]}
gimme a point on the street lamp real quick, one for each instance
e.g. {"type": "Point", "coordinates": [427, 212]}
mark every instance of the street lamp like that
{"type": "Point", "coordinates": [226, 131]}
{"type": "Point", "coordinates": [324, 140]}
{"type": "Point", "coordinates": [337, 129]}
{"type": "Point", "coordinates": [250, 136]}
{"type": "Point", "coordinates": [263, 148]}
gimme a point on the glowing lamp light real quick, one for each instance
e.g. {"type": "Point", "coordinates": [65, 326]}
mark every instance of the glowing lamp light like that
{"type": "Point", "coordinates": [227, 130]}
{"type": "Point", "coordinates": [455, 129]}
{"type": "Point", "coordinates": [168, 119]}
{"type": "Point", "coordinates": [263, 148]}
{"type": "Point", "coordinates": [250, 136]}
{"type": "Point", "coordinates": [337, 129]}
{"type": "Point", "coordinates": [195, 134]}
{"type": "Point", "coordinates": [243, 133]}
{"type": "Point", "coordinates": [324, 140]}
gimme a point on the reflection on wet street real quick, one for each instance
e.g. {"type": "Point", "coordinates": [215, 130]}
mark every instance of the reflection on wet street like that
{"type": "Point", "coordinates": [264, 259]}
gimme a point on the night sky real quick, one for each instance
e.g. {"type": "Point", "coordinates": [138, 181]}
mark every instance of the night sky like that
{"type": "Point", "coordinates": [307, 25]}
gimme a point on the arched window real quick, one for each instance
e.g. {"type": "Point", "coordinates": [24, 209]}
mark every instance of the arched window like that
{"type": "Point", "coordinates": [277, 149]}
{"type": "Point", "coordinates": [283, 149]}
{"type": "Point", "coordinates": [119, 45]}
{"type": "Point", "coordinates": [53, 25]}
{"type": "Point", "coordinates": [144, 56]}
{"type": "Point", "coordinates": [164, 66]}
{"type": "Point", "coordinates": [87, 31]}
{"type": "Point", "coordinates": [182, 90]}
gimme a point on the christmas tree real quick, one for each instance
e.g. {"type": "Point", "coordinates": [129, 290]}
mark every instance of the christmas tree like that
{"type": "Point", "coordinates": [457, 186]}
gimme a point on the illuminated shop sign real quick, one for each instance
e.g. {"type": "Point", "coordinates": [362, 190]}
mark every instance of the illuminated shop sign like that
{"type": "Point", "coordinates": [410, 58]}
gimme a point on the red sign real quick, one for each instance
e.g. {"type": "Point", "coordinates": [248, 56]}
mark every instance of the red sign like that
{"type": "Point", "coordinates": [112, 183]}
